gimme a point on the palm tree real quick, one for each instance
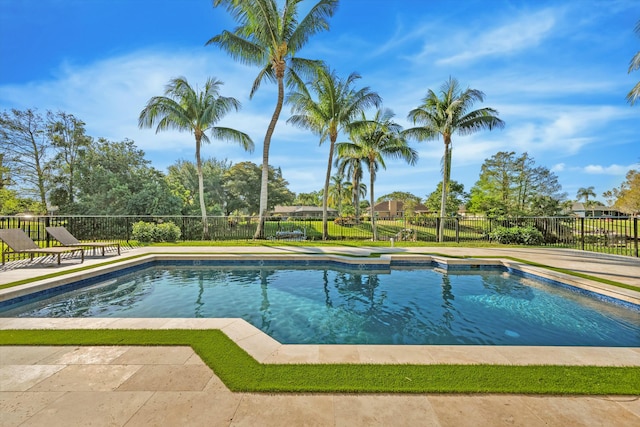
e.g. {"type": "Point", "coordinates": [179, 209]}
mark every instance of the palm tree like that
{"type": "Point", "coordinates": [350, 164]}
{"type": "Point", "coordinates": [185, 109]}
{"type": "Point", "coordinates": [446, 115]}
{"type": "Point", "coordinates": [270, 38]}
{"type": "Point", "coordinates": [634, 95]}
{"type": "Point", "coordinates": [585, 193]}
{"type": "Point", "coordinates": [373, 140]}
{"type": "Point", "coordinates": [337, 105]}
{"type": "Point", "coordinates": [337, 191]}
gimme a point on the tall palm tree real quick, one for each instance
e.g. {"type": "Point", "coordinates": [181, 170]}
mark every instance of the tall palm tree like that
{"type": "Point", "coordinates": [270, 38]}
{"type": "Point", "coordinates": [634, 95]}
{"type": "Point", "coordinates": [336, 106]}
{"type": "Point", "coordinates": [350, 164]}
{"type": "Point", "coordinates": [585, 193]}
{"type": "Point", "coordinates": [186, 109]}
{"type": "Point", "coordinates": [373, 141]}
{"type": "Point", "coordinates": [446, 115]}
{"type": "Point", "coordinates": [337, 192]}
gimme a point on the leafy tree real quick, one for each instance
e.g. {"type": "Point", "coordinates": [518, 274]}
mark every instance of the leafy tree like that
{"type": "Point", "coordinates": [313, 198]}
{"type": "Point", "coordinates": [182, 177]}
{"type": "Point", "coordinates": [399, 195]}
{"type": "Point", "coordinates": [24, 142]}
{"type": "Point", "coordinates": [338, 103]}
{"type": "Point", "coordinates": [513, 185]}
{"type": "Point", "coordinates": [68, 139]}
{"type": "Point", "coordinates": [185, 109]}
{"type": "Point", "coordinates": [634, 94]}
{"type": "Point", "coordinates": [373, 141]}
{"type": "Point", "coordinates": [455, 197]}
{"type": "Point", "coordinates": [448, 114]}
{"type": "Point", "coordinates": [270, 38]}
{"type": "Point", "coordinates": [627, 196]}
{"type": "Point", "coordinates": [242, 187]}
{"type": "Point", "coordinates": [114, 178]}
{"type": "Point", "coordinates": [585, 193]}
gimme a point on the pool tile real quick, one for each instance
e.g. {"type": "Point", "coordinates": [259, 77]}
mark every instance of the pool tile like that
{"type": "Point", "coordinates": [240, 329]}
{"type": "Point", "coordinates": [384, 410]}
{"type": "Point", "coordinates": [216, 323]}
{"type": "Point", "coordinates": [29, 355]}
{"type": "Point", "coordinates": [485, 410]}
{"type": "Point", "coordinates": [151, 355]}
{"type": "Point", "coordinates": [388, 354]}
{"type": "Point", "coordinates": [187, 408]}
{"type": "Point", "coordinates": [87, 355]}
{"type": "Point", "coordinates": [168, 378]}
{"type": "Point", "coordinates": [18, 407]}
{"type": "Point", "coordinates": [260, 346]}
{"type": "Point", "coordinates": [94, 409]}
{"type": "Point", "coordinates": [580, 411]}
{"type": "Point", "coordinates": [450, 354]}
{"type": "Point", "coordinates": [24, 377]}
{"type": "Point", "coordinates": [629, 403]}
{"type": "Point", "coordinates": [338, 354]}
{"type": "Point", "coordinates": [87, 378]}
{"type": "Point", "coordinates": [267, 410]}
{"type": "Point", "coordinates": [138, 323]}
{"type": "Point", "coordinates": [541, 355]}
{"type": "Point", "coordinates": [295, 353]}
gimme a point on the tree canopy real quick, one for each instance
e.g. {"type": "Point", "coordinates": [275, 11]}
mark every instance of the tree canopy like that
{"type": "Point", "coordinates": [513, 185]}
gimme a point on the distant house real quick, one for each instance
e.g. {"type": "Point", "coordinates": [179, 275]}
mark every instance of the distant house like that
{"type": "Point", "coordinates": [581, 211]}
{"type": "Point", "coordinates": [393, 209]}
{"type": "Point", "coordinates": [302, 211]}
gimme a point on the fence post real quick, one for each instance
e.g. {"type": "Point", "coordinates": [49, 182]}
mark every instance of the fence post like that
{"type": "Point", "coordinates": [635, 234]}
{"type": "Point", "coordinates": [457, 230]}
{"type": "Point", "coordinates": [582, 230]}
{"type": "Point", "coordinates": [47, 223]}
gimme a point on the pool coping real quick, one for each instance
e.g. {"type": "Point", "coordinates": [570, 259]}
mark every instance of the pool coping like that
{"type": "Point", "coordinates": [267, 350]}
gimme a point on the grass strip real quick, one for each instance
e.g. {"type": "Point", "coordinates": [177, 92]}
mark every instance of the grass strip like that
{"type": "Point", "coordinates": [241, 373]}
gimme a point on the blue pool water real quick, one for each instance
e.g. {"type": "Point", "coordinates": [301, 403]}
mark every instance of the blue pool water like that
{"type": "Point", "coordinates": [326, 305]}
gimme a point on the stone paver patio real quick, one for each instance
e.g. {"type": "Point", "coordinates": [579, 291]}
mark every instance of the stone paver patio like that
{"type": "Point", "coordinates": [171, 386]}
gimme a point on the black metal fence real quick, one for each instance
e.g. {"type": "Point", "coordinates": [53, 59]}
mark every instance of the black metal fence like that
{"type": "Point", "coordinates": [608, 235]}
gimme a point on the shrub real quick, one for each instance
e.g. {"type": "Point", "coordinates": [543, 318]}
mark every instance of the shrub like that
{"type": "Point", "coordinates": [517, 235]}
{"type": "Point", "coordinates": [167, 232]}
{"type": "Point", "coordinates": [144, 232]}
{"type": "Point", "coordinates": [147, 232]}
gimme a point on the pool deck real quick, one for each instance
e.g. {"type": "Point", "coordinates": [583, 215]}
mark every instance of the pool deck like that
{"type": "Point", "coordinates": [135, 386]}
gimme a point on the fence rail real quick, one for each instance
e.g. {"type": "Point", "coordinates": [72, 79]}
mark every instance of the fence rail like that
{"type": "Point", "coordinates": [607, 235]}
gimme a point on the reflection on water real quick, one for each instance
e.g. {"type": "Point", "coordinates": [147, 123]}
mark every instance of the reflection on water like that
{"type": "Point", "coordinates": [420, 306]}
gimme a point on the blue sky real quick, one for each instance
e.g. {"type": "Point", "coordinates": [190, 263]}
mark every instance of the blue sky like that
{"type": "Point", "coordinates": [555, 70]}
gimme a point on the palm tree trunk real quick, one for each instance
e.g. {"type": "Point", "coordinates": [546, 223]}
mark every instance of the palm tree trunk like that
{"type": "Point", "coordinates": [264, 187]}
{"type": "Point", "coordinates": [203, 208]}
{"type": "Point", "coordinates": [325, 201]}
{"type": "Point", "coordinates": [445, 185]}
{"type": "Point", "coordinates": [373, 213]}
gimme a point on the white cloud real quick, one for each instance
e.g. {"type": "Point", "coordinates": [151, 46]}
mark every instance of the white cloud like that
{"type": "Point", "coordinates": [608, 170]}
{"type": "Point", "coordinates": [559, 167]}
{"type": "Point", "coordinates": [522, 32]}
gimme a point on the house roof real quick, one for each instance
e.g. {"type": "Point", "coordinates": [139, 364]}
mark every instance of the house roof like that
{"type": "Point", "coordinates": [300, 209]}
{"type": "Point", "coordinates": [384, 206]}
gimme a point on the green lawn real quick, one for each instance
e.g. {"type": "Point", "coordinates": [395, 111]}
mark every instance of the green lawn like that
{"type": "Point", "coordinates": [241, 373]}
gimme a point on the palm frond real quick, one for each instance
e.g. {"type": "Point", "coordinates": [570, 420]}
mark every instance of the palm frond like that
{"type": "Point", "coordinates": [314, 22]}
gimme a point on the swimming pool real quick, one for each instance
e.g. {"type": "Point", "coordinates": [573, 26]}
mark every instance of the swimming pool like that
{"type": "Point", "coordinates": [367, 303]}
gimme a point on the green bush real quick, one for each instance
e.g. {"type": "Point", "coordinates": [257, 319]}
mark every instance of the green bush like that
{"type": "Point", "coordinates": [147, 232]}
{"type": "Point", "coordinates": [167, 232]}
{"type": "Point", "coordinates": [144, 232]}
{"type": "Point", "coordinates": [517, 235]}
